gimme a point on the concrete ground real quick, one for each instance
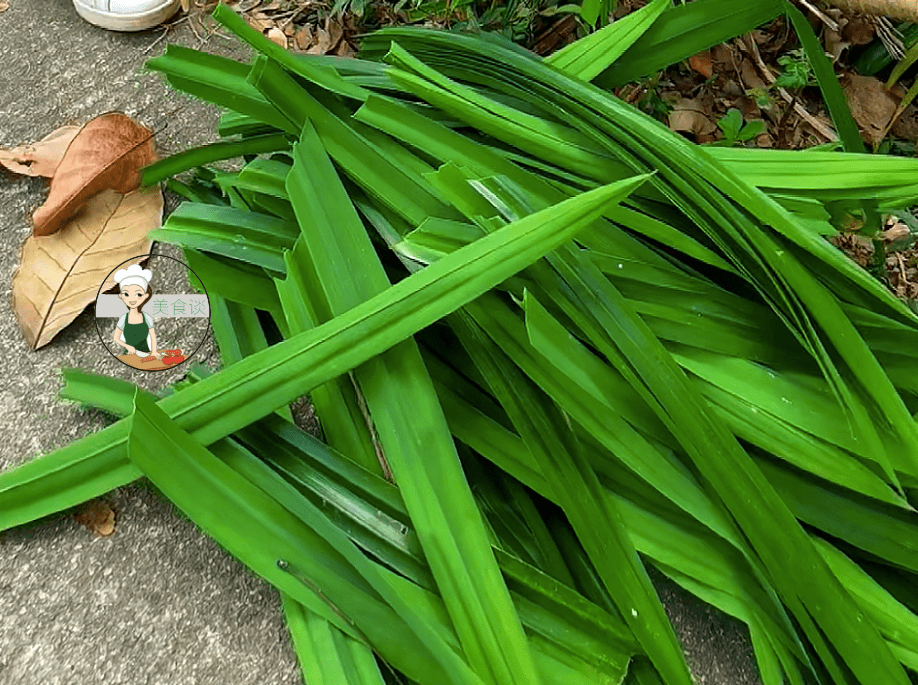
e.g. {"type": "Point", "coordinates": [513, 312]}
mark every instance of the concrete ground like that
{"type": "Point", "coordinates": [157, 603]}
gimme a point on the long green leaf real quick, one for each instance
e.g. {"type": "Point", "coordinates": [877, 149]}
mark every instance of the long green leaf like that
{"type": "Point", "coordinates": [216, 79]}
{"type": "Point", "coordinates": [684, 30]}
{"type": "Point", "coordinates": [230, 507]}
{"type": "Point", "coordinates": [326, 655]}
{"type": "Point", "coordinates": [323, 75]}
{"type": "Point", "coordinates": [182, 161]}
{"type": "Point", "coordinates": [257, 385]}
{"type": "Point", "coordinates": [369, 509]}
{"type": "Point", "coordinates": [590, 56]}
{"type": "Point", "coordinates": [434, 487]}
{"type": "Point", "coordinates": [598, 525]}
{"type": "Point", "coordinates": [828, 81]}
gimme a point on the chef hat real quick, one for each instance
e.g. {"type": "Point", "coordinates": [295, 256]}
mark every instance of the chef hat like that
{"type": "Point", "coordinates": [133, 275]}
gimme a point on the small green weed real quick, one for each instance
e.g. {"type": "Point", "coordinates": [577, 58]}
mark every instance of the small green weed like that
{"type": "Point", "coordinates": [797, 72]}
{"type": "Point", "coordinates": [651, 102]}
{"type": "Point", "coordinates": [735, 131]}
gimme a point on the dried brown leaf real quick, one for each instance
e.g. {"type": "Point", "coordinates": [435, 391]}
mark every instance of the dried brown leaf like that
{"type": "Point", "coordinates": [303, 37]}
{"type": "Point", "coordinates": [97, 516]}
{"type": "Point", "coordinates": [750, 109]}
{"type": "Point", "coordinates": [59, 274]}
{"type": "Point", "coordinates": [701, 63]}
{"type": "Point", "coordinates": [859, 31]}
{"type": "Point", "coordinates": [723, 56]}
{"type": "Point", "coordinates": [108, 152]}
{"type": "Point", "coordinates": [276, 36]}
{"type": "Point", "coordinates": [344, 49]}
{"type": "Point", "coordinates": [41, 158]}
{"type": "Point", "coordinates": [322, 43]}
{"type": "Point", "coordinates": [259, 23]}
{"type": "Point", "coordinates": [906, 126]}
{"type": "Point", "coordinates": [835, 44]}
{"type": "Point", "coordinates": [872, 106]}
{"type": "Point", "coordinates": [335, 32]}
{"type": "Point", "coordinates": [751, 77]}
{"type": "Point", "coordinates": [4, 6]}
{"type": "Point", "coordinates": [896, 232]}
{"type": "Point", "coordinates": [690, 116]}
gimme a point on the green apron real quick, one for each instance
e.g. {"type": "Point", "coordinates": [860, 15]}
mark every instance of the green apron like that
{"type": "Point", "coordinates": [135, 335]}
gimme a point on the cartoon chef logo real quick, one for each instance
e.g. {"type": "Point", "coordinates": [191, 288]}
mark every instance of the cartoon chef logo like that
{"type": "Point", "coordinates": [136, 330]}
{"type": "Point", "coordinates": [141, 315]}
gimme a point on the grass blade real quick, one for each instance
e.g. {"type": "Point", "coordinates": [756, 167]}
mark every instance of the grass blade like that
{"type": "Point", "coordinates": [225, 402]}
{"type": "Point", "coordinates": [598, 525]}
{"type": "Point", "coordinates": [685, 30]}
{"type": "Point", "coordinates": [590, 56]}
{"type": "Point", "coordinates": [434, 487]}
{"type": "Point", "coordinates": [326, 655]}
{"type": "Point", "coordinates": [199, 156]}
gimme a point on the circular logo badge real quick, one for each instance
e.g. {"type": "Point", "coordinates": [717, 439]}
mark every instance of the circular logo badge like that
{"type": "Point", "coordinates": [146, 324]}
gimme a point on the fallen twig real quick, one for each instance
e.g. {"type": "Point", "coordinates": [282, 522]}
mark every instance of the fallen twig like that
{"type": "Point", "coordinates": [826, 19]}
{"type": "Point", "coordinates": [166, 29]}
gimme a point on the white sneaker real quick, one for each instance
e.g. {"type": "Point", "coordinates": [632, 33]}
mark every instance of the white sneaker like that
{"type": "Point", "coordinates": [126, 15]}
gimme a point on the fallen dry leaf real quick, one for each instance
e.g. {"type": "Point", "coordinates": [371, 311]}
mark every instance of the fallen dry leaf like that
{"type": "Point", "coordinates": [689, 116]}
{"type": "Point", "coordinates": [59, 274]}
{"type": "Point", "coordinates": [906, 126]}
{"type": "Point", "coordinates": [751, 77]}
{"type": "Point", "coordinates": [896, 232]}
{"type": "Point", "coordinates": [702, 63]}
{"type": "Point", "coordinates": [860, 31]}
{"type": "Point", "coordinates": [41, 158]}
{"type": "Point", "coordinates": [872, 106]}
{"type": "Point", "coordinates": [335, 31]}
{"type": "Point", "coordinates": [723, 56]}
{"type": "Point", "coordinates": [108, 152]}
{"type": "Point", "coordinates": [323, 42]}
{"type": "Point", "coordinates": [303, 38]}
{"type": "Point", "coordinates": [835, 44]}
{"type": "Point", "coordinates": [97, 516]}
{"type": "Point", "coordinates": [344, 49]}
{"type": "Point", "coordinates": [276, 36]}
{"type": "Point", "coordinates": [259, 23]}
{"type": "Point", "coordinates": [4, 6]}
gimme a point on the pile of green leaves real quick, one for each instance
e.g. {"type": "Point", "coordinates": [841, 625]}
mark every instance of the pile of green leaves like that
{"type": "Point", "coordinates": [549, 342]}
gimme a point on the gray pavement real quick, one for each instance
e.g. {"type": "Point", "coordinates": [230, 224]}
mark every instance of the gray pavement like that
{"type": "Point", "coordinates": [158, 603]}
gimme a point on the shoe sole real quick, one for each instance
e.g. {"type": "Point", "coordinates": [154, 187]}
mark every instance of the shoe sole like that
{"type": "Point", "coordinates": [128, 22]}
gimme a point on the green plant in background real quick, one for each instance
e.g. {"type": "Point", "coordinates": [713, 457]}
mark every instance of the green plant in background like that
{"type": "Point", "coordinates": [877, 57]}
{"type": "Point", "coordinates": [735, 131]}
{"type": "Point", "coordinates": [906, 241]}
{"type": "Point", "coordinates": [517, 20]}
{"type": "Point", "coordinates": [762, 98]}
{"type": "Point", "coordinates": [355, 7]}
{"type": "Point", "coordinates": [584, 343]}
{"type": "Point", "coordinates": [651, 102]}
{"type": "Point", "coordinates": [596, 12]}
{"type": "Point", "coordinates": [796, 72]}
